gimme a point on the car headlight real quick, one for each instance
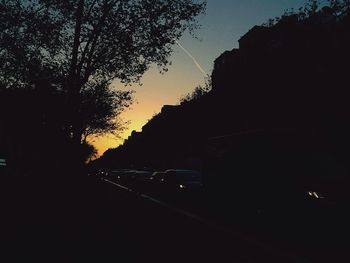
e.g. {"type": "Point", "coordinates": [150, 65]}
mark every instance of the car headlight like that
{"type": "Point", "coordinates": [315, 195]}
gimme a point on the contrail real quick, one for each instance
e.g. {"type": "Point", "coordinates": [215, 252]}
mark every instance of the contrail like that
{"type": "Point", "coordinates": [193, 58]}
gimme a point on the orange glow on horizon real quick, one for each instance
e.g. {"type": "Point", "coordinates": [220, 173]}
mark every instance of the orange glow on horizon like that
{"type": "Point", "coordinates": [106, 142]}
{"type": "Point", "coordinates": [157, 90]}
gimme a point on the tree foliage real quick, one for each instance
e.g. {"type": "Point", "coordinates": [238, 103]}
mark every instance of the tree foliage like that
{"type": "Point", "coordinates": [197, 93]}
{"type": "Point", "coordinates": [338, 8]}
{"type": "Point", "coordinates": [77, 47]}
{"type": "Point", "coordinates": [101, 109]}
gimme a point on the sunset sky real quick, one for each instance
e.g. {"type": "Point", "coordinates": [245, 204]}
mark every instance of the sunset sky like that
{"type": "Point", "coordinates": [223, 24]}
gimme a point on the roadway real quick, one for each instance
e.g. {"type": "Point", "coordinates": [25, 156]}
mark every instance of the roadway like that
{"type": "Point", "coordinates": [314, 233]}
{"type": "Point", "coordinates": [99, 221]}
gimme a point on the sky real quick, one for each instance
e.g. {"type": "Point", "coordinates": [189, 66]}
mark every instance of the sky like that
{"type": "Point", "coordinates": [223, 24]}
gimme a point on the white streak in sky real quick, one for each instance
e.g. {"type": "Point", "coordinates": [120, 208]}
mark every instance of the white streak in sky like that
{"type": "Point", "coordinates": [193, 58]}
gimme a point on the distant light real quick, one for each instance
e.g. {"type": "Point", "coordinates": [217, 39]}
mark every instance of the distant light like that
{"type": "Point", "coordinates": [182, 186]}
{"type": "Point", "coordinates": [315, 195]}
{"type": "Point", "coordinates": [2, 162]}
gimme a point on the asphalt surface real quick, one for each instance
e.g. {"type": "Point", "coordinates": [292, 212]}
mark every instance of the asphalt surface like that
{"type": "Point", "coordinates": [297, 230]}
{"type": "Point", "coordinates": [95, 221]}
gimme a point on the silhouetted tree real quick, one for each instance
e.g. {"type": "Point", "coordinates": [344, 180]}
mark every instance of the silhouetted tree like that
{"type": "Point", "coordinates": [101, 109]}
{"type": "Point", "coordinates": [88, 151]}
{"type": "Point", "coordinates": [79, 46]}
{"type": "Point", "coordinates": [337, 7]}
{"type": "Point", "coordinates": [311, 7]}
{"type": "Point", "coordinates": [197, 93]}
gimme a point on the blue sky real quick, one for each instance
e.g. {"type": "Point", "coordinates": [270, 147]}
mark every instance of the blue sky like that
{"type": "Point", "coordinates": [224, 22]}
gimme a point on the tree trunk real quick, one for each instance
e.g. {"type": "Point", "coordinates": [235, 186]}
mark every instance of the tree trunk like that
{"type": "Point", "coordinates": [74, 101]}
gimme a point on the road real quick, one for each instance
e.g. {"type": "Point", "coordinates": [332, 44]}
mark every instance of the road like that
{"type": "Point", "coordinates": [314, 233]}
{"type": "Point", "coordinates": [96, 221]}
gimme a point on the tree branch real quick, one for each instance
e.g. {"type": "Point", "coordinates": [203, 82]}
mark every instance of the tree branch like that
{"type": "Point", "coordinates": [76, 44]}
{"type": "Point", "coordinates": [94, 38]}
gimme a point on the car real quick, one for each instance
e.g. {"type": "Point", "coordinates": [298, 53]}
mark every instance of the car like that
{"type": "Point", "coordinates": [119, 174]}
{"type": "Point", "coordinates": [124, 177]}
{"type": "Point", "coordinates": [140, 180]}
{"type": "Point", "coordinates": [157, 176]}
{"type": "Point", "coordinates": [182, 179]}
{"type": "Point", "coordinates": [103, 173]}
{"type": "Point", "coordinates": [154, 182]}
{"type": "Point", "coordinates": [181, 184]}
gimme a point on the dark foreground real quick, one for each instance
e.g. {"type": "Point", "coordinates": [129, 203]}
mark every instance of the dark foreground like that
{"type": "Point", "coordinates": [91, 220]}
